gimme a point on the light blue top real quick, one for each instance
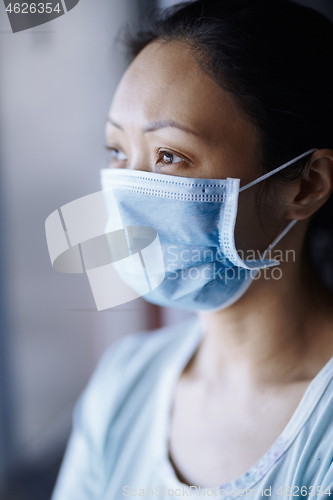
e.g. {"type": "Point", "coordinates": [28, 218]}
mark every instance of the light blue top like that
{"type": "Point", "coordinates": [121, 422]}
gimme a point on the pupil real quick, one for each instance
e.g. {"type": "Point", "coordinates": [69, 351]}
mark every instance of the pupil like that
{"type": "Point", "coordinates": [167, 158]}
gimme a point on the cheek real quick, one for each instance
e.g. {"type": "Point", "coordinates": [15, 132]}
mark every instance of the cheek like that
{"type": "Point", "coordinates": [258, 219]}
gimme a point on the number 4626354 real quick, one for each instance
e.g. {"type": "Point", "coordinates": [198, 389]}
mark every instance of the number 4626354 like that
{"type": "Point", "coordinates": [39, 8]}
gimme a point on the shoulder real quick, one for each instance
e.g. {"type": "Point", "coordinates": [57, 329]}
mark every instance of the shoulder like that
{"type": "Point", "coordinates": [106, 411]}
{"type": "Point", "coordinates": [130, 364]}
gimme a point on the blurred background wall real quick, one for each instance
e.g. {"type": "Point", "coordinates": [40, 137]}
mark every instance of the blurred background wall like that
{"type": "Point", "coordinates": [57, 82]}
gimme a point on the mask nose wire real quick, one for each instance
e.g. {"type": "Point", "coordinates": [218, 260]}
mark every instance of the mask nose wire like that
{"type": "Point", "coordinates": [272, 172]}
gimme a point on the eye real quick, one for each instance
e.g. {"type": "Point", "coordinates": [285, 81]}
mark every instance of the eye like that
{"type": "Point", "coordinates": [116, 154]}
{"type": "Point", "coordinates": [168, 158]}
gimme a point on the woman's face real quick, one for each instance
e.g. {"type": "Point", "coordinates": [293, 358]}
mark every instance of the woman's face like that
{"type": "Point", "coordinates": [169, 117]}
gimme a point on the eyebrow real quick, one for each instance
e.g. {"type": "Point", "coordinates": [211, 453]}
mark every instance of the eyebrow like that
{"type": "Point", "coordinates": [157, 125]}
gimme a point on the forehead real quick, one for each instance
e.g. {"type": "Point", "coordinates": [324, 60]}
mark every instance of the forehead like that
{"type": "Point", "coordinates": [165, 82]}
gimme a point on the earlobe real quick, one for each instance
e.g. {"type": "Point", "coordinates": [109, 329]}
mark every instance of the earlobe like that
{"type": "Point", "coordinates": [314, 186]}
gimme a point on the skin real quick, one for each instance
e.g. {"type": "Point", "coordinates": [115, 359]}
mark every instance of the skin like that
{"type": "Point", "coordinates": [249, 373]}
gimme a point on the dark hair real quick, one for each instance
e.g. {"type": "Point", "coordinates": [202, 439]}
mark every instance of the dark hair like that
{"type": "Point", "coordinates": [275, 57]}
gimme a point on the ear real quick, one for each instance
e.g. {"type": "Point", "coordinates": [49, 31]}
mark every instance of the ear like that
{"type": "Point", "coordinates": [313, 188]}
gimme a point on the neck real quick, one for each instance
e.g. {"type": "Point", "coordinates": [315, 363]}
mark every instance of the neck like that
{"type": "Point", "coordinates": [275, 332]}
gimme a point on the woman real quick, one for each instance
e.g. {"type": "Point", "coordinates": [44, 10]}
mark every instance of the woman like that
{"type": "Point", "coordinates": [238, 401]}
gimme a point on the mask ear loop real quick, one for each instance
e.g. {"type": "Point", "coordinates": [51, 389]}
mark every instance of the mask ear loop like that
{"type": "Point", "coordinates": [265, 176]}
{"type": "Point", "coordinates": [278, 238]}
{"type": "Point", "coordinates": [272, 172]}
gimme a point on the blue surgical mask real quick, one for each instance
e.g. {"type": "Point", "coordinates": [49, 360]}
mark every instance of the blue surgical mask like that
{"type": "Point", "coordinates": [195, 222]}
